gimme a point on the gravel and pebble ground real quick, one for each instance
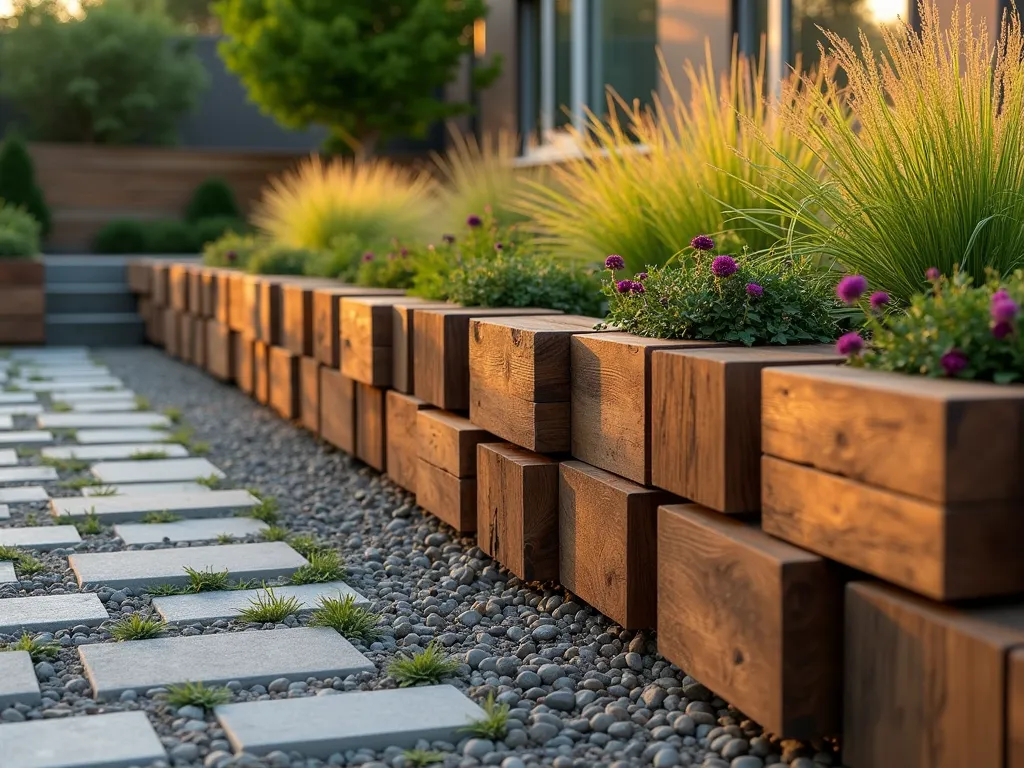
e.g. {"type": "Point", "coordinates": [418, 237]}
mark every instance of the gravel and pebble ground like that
{"type": "Point", "coordinates": [582, 691]}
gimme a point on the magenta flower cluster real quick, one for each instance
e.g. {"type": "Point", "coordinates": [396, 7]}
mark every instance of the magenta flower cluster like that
{"type": "Point", "coordinates": [850, 344]}
{"type": "Point", "coordinates": [851, 288]}
{"type": "Point", "coordinates": [474, 221]}
{"type": "Point", "coordinates": [724, 266]}
{"type": "Point", "coordinates": [755, 291]}
{"type": "Point", "coordinates": [629, 286]}
{"type": "Point", "coordinates": [614, 263]}
{"type": "Point", "coordinates": [702, 243]}
{"type": "Point", "coordinates": [368, 256]}
{"type": "Point", "coordinates": [953, 362]}
{"type": "Point", "coordinates": [1004, 311]}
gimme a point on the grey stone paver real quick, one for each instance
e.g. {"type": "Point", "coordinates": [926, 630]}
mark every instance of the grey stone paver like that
{"type": "Point", "coordinates": [105, 406]}
{"type": "Point", "coordinates": [29, 437]}
{"type": "Point", "coordinates": [27, 475]}
{"type": "Point", "coordinates": [145, 489]}
{"type": "Point", "coordinates": [188, 530]}
{"type": "Point", "coordinates": [23, 494]}
{"type": "Point", "coordinates": [322, 725]}
{"type": "Point", "coordinates": [48, 613]}
{"type": "Point", "coordinates": [40, 537]}
{"type": "Point", "coordinates": [9, 398]}
{"type": "Point", "coordinates": [263, 561]}
{"type": "Point", "coordinates": [8, 457]}
{"type": "Point", "coordinates": [131, 507]}
{"type": "Point", "coordinates": [156, 471]}
{"type": "Point", "coordinates": [117, 740]}
{"type": "Point", "coordinates": [7, 574]}
{"type": "Point", "coordinates": [6, 421]}
{"type": "Point", "coordinates": [112, 451]}
{"type": "Point", "coordinates": [252, 658]}
{"type": "Point", "coordinates": [18, 682]}
{"type": "Point", "coordinates": [21, 409]}
{"type": "Point", "coordinates": [5, 512]}
{"type": "Point", "coordinates": [211, 606]}
{"type": "Point", "coordinates": [96, 436]}
{"type": "Point", "coordinates": [93, 397]}
{"type": "Point", "coordinates": [67, 385]}
{"type": "Point", "coordinates": [101, 420]}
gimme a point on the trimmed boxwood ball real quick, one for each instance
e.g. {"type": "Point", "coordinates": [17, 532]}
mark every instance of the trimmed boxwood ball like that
{"type": "Point", "coordinates": [213, 198]}
{"type": "Point", "coordinates": [122, 236]}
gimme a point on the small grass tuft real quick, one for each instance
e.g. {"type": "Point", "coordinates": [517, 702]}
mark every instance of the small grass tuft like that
{"type": "Point", "coordinates": [345, 617]}
{"type": "Point", "coordinates": [36, 377]}
{"type": "Point", "coordinates": [70, 434]}
{"type": "Point", "coordinates": [197, 695]}
{"type": "Point", "coordinates": [182, 435]}
{"type": "Point", "coordinates": [90, 525]}
{"type": "Point", "coordinates": [141, 403]}
{"type": "Point", "coordinates": [256, 492]}
{"type": "Point", "coordinates": [174, 414]}
{"type": "Point", "coordinates": [60, 407]}
{"type": "Point", "coordinates": [323, 567]}
{"type": "Point", "coordinates": [420, 758]}
{"type": "Point", "coordinates": [306, 545]}
{"type": "Point", "coordinates": [208, 580]}
{"type": "Point", "coordinates": [108, 388]}
{"type": "Point", "coordinates": [210, 481]}
{"type": "Point", "coordinates": [265, 511]}
{"type": "Point", "coordinates": [137, 627]}
{"type": "Point", "coordinates": [31, 519]}
{"type": "Point", "coordinates": [267, 607]}
{"type": "Point", "coordinates": [12, 388]}
{"type": "Point", "coordinates": [428, 667]}
{"type": "Point", "coordinates": [148, 455]}
{"type": "Point", "coordinates": [166, 590]}
{"type": "Point", "coordinates": [24, 563]}
{"type": "Point", "coordinates": [65, 465]}
{"type": "Point", "coordinates": [274, 533]}
{"type": "Point", "coordinates": [199, 448]}
{"type": "Point", "coordinates": [494, 724]}
{"type": "Point", "coordinates": [225, 538]}
{"type": "Point", "coordinates": [27, 453]}
{"type": "Point", "coordinates": [160, 517]}
{"type": "Point", "coordinates": [10, 553]}
{"type": "Point", "coordinates": [106, 490]}
{"type": "Point", "coordinates": [37, 649]}
{"type": "Point", "coordinates": [78, 483]}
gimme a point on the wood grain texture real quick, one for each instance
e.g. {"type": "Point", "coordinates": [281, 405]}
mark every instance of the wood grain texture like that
{"type": "Point", "coordinates": [195, 289]}
{"type": "Point", "coordinates": [706, 446]}
{"type": "Point", "coordinates": [366, 333]}
{"type": "Point", "coordinates": [22, 301]}
{"type": "Point", "coordinates": [338, 410]}
{"type": "Point", "coordinates": [441, 352]}
{"type": "Point", "coordinates": [756, 620]}
{"type": "Point", "coordinates": [297, 314]}
{"type": "Point", "coordinates": [210, 297]}
{"type": "Point", "coordinates": [22, 330]}
{"type": "Point", "coordinates": [284, 393]}
{"type": "Point", "coordinates": [199, 341]}
{"type": "Point", "coordinates": [607, 542]}
{"type": "Point", "coordinates": [178, 283]}
{"type": "Point", "coordinates": [270, 312]}
{"type": "Point", "coordinates": [161, 289]}
{"type": "Point", "coordinates": [172, 332]}
{"type": "Point", "coordinates": [309, 393]}
{"type": "Point", "coordinates": [402, 444]}
{"type": "Point", "coordinates": [403, 334]}
{"type": "Point", "coordinates": [449, 498]}
{"type": "Point", "coordinates": [236, 312]}
{"type": "Point", "coordinates": [1015, 718]}
{"type": "Point", "coordinates": [517, 510]}
{"type": "Point", "coordinates": [245, 364]}
{"type": "Point", "coordinates": [186, 337]}
{"type": "Point", "coordinates": [23, 273]}
{"type": "Point", "coordinates": [220, 351]}
{"type": "Point", "coordinates": [938, 440]}
{"type": "Point", "coordinates": [327, 318]}
{"type": "Point", "coordinates": [611, 425]}
{"type": "Point", "coordinates": [925, 684]}
{"type": "Point", "coordinates": [449, 441]}
{"type": "Point", "coordinates": [946, 552]}
{"type": "Point", "coordinates": [371, 426]}
{"type": "Point", "coordinates": [261, 372]}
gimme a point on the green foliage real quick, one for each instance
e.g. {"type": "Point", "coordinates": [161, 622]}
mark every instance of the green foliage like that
{"type": "Point", "coordinates": [213, 229]}
{"type": "Point", "coordinates": [273, 259]}
{"type": "Point", "coordinates": [173, 413]}
{"type": "Point", "coordinates": [344, 616]}
{"type": "Point", "coordinates": [428, 667]}
{"type": "Point", "coordinates": [323, 566]}
{"type": "Point", "coordinates": [18, 186]}
{"type": "Point", "coordinates": [106, 490]}
{"type": "Point", "coordinates": [148, 455]}
{"type": "Point", "coordinates": [305, 544]}
{"type": "Point", "coordinates": [268, 607]}
{"type": "Point", "coordinates": [213, 198]}
{"type": "Point", "coordinates": [137, 627]}
{"type": "Point", "coordinates": [494, 724]}
{"type": "Point", "coordinates": [363, 69]}
{"type": "Point", "coordinates": [90, 525]}
{"type": "Point", "coordinates": [78, 483]}
{"type": "Point", "coordinates": [60, 407]}
{"type": "Point", "coordinates": [197, 695]}
{"type": "Point", "coordinates": [154, 518]}
{"type": "Point", "coordinates": [24, 563]}
{"type": "Point", "coordinates": [65, 465]}
{"type": "Point", "coordinates": [266, 511]}
{"type": "Point", "coordinates": [207, 580]}
{"type": "Point", "coordinates": [121, 236]}
{"type": "Point", "coordinates": [37, 649]}
{"type": "Point", "coordinates": [171, 236]}
{"type": "Point", "coordinates": [142, 403]}
{"type": "Point", "coordinates": [225, 538]}
{"type": "Point", "coordinates": [232, 249]}
{"type": "Point", "coordinates": [420, 758]}
{"type": "Point", "coordinates": [392, 270]}
{"type": "Point", "coordinates": [117, 75]}
{"type": "Point", "coordinates": [274, 533]}
{"type": "Point", "coordinates": [19, 233]}
{"type": "Point", "coordinates": [211, 481]}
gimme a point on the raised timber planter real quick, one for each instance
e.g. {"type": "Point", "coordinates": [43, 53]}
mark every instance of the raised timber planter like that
{"type": "Point", "coordinates": [1016, 705]}
{"type": "Point", "coordinates": [327, 319]}
{"type": "Point", "coordinates": [371, 426]}
{"type": "Point", "coordinates": [245, 362]}
{"type": "Point", "coordinates": [446, 476]}
{"type": "Point", "coordinates": [244, 303]}
{"type": "Point", "coordinates": [706, 443]}
{"type": "Point", "coordinates": [403, 335]}
{"type": "Point", "coordinates": [199, 342]}
{"type": "Point", "coordinates": [172, 332]}
{"type": "Point", "coordinates": [139, 273]}
{"type": "Point", "coordinates": [338, 410]}
{"type": "Point", "coordinates": [186, 336]}
{"type": "Point", "coordinates": [441, 352]}
{"type": "Point", "coordinates": [283, 393]}
{"type": "Point", "coordinates": [309, 393]}
{"type": "Point", "coordinates": [297, 314]}
{"type": "Point", "coordinates": [195, 289]}
{"type": "Point", "coordinates": [915, 480]}
{"type": "Point", "coordinates": [261, 372]}
{"type": "Point", "coordinates": [159, 280]}
{"type": "Point", "coordinates": [403, 451]}
{"type": "Point", "coordinates": [178, 284]}
{"type": "Point", "coordinates": [22, 301]}
{"type": "Point", "coordinates": [756, 620]}
{"type": "Point", "coordinates": [608, 546]}
{"type": "Point", "coordinates": [213, 292]}
{"type": "Point", "coordinates": [220, 351]}
{"type": "Point", "coordinates": [928, 685]}
{"type": "Point", "coordinates": [520, 380]}
{"type": "Point", "coordinates": [517, 510]}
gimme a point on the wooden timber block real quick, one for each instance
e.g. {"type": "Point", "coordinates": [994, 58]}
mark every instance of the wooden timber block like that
{"type": "Point", "coordinates": [449, 498]}
{"type": "Point", "coordinates": [338, 410]}
{"type": "Point", "coordinates": [283, 371]}
{"type": "Point", "coordinates": [706, 443]}
{"type": "Point", "coordinates": [199, 341]}
{"type": "Point", "coordinates": [155, 325]}
{"type": "Point", "coordinates": [261, 372]}
{"type": "Point", "coordinates": [309, 393]}
{"type": "Point", "coordinates": [517, 510]}
{"type": "Point", "coordinates": [172, 332]}
{"type": "Point", "coordinates": [219, 296]}
{"type": "Point", "coordinates": [297, 314]}
{"type": "Point", "coordinates": [327, 318]}
{"type": "Point", "coordinates": [22, 301]}
{"type": "Point", "coordinates": [607, 542]}
{"type": "Point", "coordinates": [177, 280]}
{"type": "Point", "coordinates": [611, 426]}
{"type": "Point", "coordinates": [245, 362]}
{"type": "Point", "coordinates": [756, 620]}
{"type": "Point", "coordinates": [403, 334]}
{"type": "Point", "coordinates": [1016, 715]}
{"type": "Point", "coordinates": [140, 276]}
{"type": "Point", "coordinates": [194, 275]}
{"type": "Point", "coordinates": [366, 330]}
{"type": "Point", "coordinates": [161, 289]}
{"type": "Point", "coordinates": [441, 352]}
{"type": "Point", "coordinates": [22, 330]}
{"type": "Point", "coordinates": [942, 551]}
{"type": "Point", "coordinates": [449, 441]}
{"type": "Point", "coordinates": [144, 305]}
{"type": "Point", "coordinates": [209, 292]}
{"type": "Point", "coordinates": [371, 426]}
{"type": "Point", "coordinates": [220, 351]}
{"type": "Point", "coordinates": [270, 312]}
{"type": "Point", "coordinates": [926, 684]}
{"type": "Point", "coordinates": [244, 304]}
{"type": "Point", "coordinates": [186, 336]}
{"type": "Point", "coordinates": [401, 412]}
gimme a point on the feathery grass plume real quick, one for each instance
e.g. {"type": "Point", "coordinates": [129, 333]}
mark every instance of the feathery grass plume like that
{"type": "Point", "coordinates": [37, 649]}
{"type": "Point", "coordinates": [428, 667]}
{"type": "Point", "coordinates": [197, 695]}
{"type": "Point", "coordinates": [323, 566]}
{"type": "Point", "coordinates": [90, 525]}
{"type": "Point", "coordinates": [344, 616]}
{"type": "Point", "coordinates": [930, 172]}
{"type": "Point", "coordinates": [137, 627]}
{"type": "Point", "coordinates": [269, 607]}
{"type": "Point", "coordinates": [494, 724]}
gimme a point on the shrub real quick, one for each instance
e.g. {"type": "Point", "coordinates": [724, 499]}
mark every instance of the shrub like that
{"type": "Point", "coordinates": [122, 236]}
{"type": "Point", "coordinates": [274, 259]}
{"type": "Point", "coordinates": [18, 183]}
{"type": "Point", "coordinates": [14, 245]}
{"type": "Point", "coordinates": [724, 298]}
{"type": "Point", "coordinates": [137, 627]}
{"type": "Point", "coordinates": [345, 617]}
{"type": "Point", "coordinates": [396, 269]}
{"type": "Point", "coordinates": [170, 236]}
{"type": "Point", "coordinates": [213, 199]}
{"type": "Point", "coordinates": [231, 249]}
{"type": "Point", "coordinates": [197, 695]}
{"type": "Point", "coordinates": [428, 667]}
{"type": "Point", "coordinates": [212, 229]}
{"type": "Point", "coordinates": [19, 233]}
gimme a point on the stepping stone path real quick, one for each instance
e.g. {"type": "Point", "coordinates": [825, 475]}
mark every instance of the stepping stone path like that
{"type": "Point", "coordinates": [8, 457]}
{"type": "Point", "coordinates": [18, 683]}
{"type": "Point", "coordinates": [188, 530]}
{"type": "Point", "coordinates": [8, 398]}
{"type": "Point", "coordinates": [130, 507]}
{"type": "Point", "coordinates": [211, 606]}
{"type": "Point", "coordinates": [48, 613]}
{"type": "Point", "coordinates": [23, 409]}
{"type": "Point", "coordinates": [140, 569]}
{"type": "Point", "coordinates": [144, 489]}
{"type": "Point", "coordinates": [71, 398]}
{"type": "Point", "coordinates": [70, 386]}
{"type": "Point", "coordinates": [96, 436]}
{"type": "Point", "coordinates": [320, 726]}
{"type": "Point", "coordinates": [23, 495]}
{"type": "Point", "coordinates": [105, 406]}
{"type": "Point", "coordinates": [101, 420]}
{"type": "Point", "coordinates": [40, 537]}
{"type": "Point", "coordinates": [118, 740]}
{"type": "Point", "coordinates": [113, 451]}
{"type": "Point", "coordinates": [156, 471]}
{"type": "Point", "coordinates": [26, 438]}
{"type": "Point", "coordinates": [252, 658]}
{"type": "Point", "coordinates": [27, 475]}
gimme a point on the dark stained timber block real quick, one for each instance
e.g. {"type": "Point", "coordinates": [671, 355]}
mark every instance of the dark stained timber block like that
{"type": "Point", "coordinates": [338, 410]}
{"type": "Point", "coordinates": [449, 441]}
{"type": "Point", "coordinates": [210, 296]}
{"type": "Point", "coordinates": [261, 372]}
{"type": "Point", "coordinates": [403, 335]}
{"type": "Point", "coordinates": [195, 289]}
{"type": "Point", "coordinates": [706, 443]}
{"type": "Point", "coordinates": [756, 620]}
{"type": "Point", "coordinates": [309, 393]}
{"type": "Point", "coordinates": [1015, 720]}
{"type": "Point", "coordinates": [245, 362]}
{"type": "Point", "coordinates": [926, 684]}
{"type": "Point", "coordinates": [199, 342]}
{"type": "Point", "coordinates": [271, 316]}
{"type": "Point", "coordinates": [284, 396]}
{"type": "Point", "coordinates": [402, 444]}
{"type": "Point", "coordinates": [297, 314]}
{"type": "Point", "coordinates": [185, 336]}
{"type": "Point", "coordinates": [161, 287]}
{"type": "Point", "coordinates": [327, 318]}
{"type": "Point", "coordinates": [607, 542]}
{"type": "Point", "coordinates": [371, 426]}
{"type": "Point", "coordinates": [172, 332]}
{"type": "Point", "coordinates": [451, 499]}
{"type": "Point", "coordinates": [220, 351]}
{"type": "Point", "coordinates": [517, 510]}
{"type": "Point", "coordinates": [178, 283]}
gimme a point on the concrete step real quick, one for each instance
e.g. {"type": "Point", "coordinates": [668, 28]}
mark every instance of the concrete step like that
{"type": "Point", "coordinates": [86, 269]}
{"type": "Point", "coordinates": [115, 329]}
{"type": "Point", "coordinates": [89, 298]}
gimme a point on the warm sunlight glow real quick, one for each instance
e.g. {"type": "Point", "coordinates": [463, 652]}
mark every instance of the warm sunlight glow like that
{"type": "Point", "coordinates": [73, 6]}
{"type": "Point", "coordinates": [886, 11]}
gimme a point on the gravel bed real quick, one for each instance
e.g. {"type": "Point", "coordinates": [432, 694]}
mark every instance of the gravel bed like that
{"type": "Point", "coordinates": [583, 692]}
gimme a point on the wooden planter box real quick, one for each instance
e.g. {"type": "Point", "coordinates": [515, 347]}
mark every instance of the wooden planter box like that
{"type": "Point", "coordinates": [244, 304]}
{"type": "Point", "coordinates": [367, 330]}
{"type": "Point", "coordinates": [706, 441]}
{"type": "Point", "coordinates": [756, 620]}
{"type": "Point", "coordinates": [403, 335]}
{"type": "Point", "coordinates": [327, 319]}
{"type": "Point", "coordinates": [199, 342]}
{"type": "Point", "coordinates": [284, 389]}
{"type": "Point", "coordinates": [403, 450]}
{"type": "Point", "coordinates": [338, 410]}
{"type": "Point", "coordinates": [520, 380]}
{"type": "Point", "coordinates": [186, 337]}
{"type": "Point", "coordinates": [217, 294]}
{"type": "Point", "coordinates": [608, 545]}
{"type": "Point", "coordinates": [220, 351]}
{"type": "Point", "coordinates": [918, 481]}
{"type": "Point", "coordinates": [517, 510]}
{"type": "Point", "coordinates": [22, 301]}
{"type": "Point", "coordinates": [309, 393]}
{"type": "Point", "coordinates": [929, 685]}
{"type": "Point", "coordinates": [140, 276]}
{"type": "Point", "coordinates": [446, 476]}
{"type": "Point", "coordinates": [371, 426]}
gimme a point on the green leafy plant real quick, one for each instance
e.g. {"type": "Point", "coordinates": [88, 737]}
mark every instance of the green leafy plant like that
{"type": "Point", "coordinates": [78, 483]}
{"type": "Point", "coordinates": [428, 667]}
{"type": "Point", "coordinates": [344, 616]}
{"type": "Point", "coordinates": [232, 249]}
{"type": "Point", "coordinates": [24, 563]}
{"type": "Point", "coordinates": [181, 436]}
{"type": "Point", "coordinates": [65, 465]}
{"type": "Point", "coordinates": [305, 544]}
{"type": "Point", "coordinates": [214, 198]}
{"type": "Point", "coordinates": [274, 533]}
{"type": "Point", "coordinates": [170, 236]}
{"type": "Point", "coordinates": [60, 407]}
{"type": "Point", "coordinates": [266, 511]}
{"type": "Point", "coordinates": [395, 269]}
{"type": "Point", "coordinates": [105, 490]}
{"type": "Point", "coordinates": [70, 434]}
{"type": "Point", "coordinates": [39, 650]}
{"type": "Point", "coordinates": [420, 758]}
{"type": "Point", "coordinates": [268, 607]}
{"type": "Point", "coordinates": [174, 414]}
{"type": "Point", "coordinates": [207, 580]}
{"type": "Point", "coordinates": [323, 566]}
{"type": "Point", "coordinates": [274, 259]}
{"type": "Point", "coordinates": [494, 724]}
{"type": "Point", "coordinates": [210, 481]}
{"type": "Point", "coordinates": [19, 238]}
{"type": "Point", "coordinates": [148, 455]}
{"type": "Point", "coordinates": [197, 695]}
{"type": "Point", "coordinates": [137, 627]}
{"type": "Point", "coordinates": [27, 453]}
{"type": "Point", "coordinates": [142, 403]}
{"type": "Point", "coordinates": [121, 236]}
{"type": "Point", "coordinates": [225, 538]}
{"type": "Point", "coordinates": [200, 448]}
{"type": "Point", "coordinates": [90, 525]}
{"type": "Point", "coordinates": [211, 230]}
{"type": "Point", "coordinates": [153, 518]}
{"type": "Point", "coordinates": [18, 188]}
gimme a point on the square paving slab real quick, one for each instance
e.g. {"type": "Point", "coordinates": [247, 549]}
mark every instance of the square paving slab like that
{"type": "Point", "coordinates": [27, 475]}
{"type": "Point", "coordinates": [157, 471]}
{"type": "Point", "coordinates": [23, 495]}
{"type": "Point", "coordinates": [8, 457]}
{"type": "Point", "coordinates": [264, 561]}
{"type": "Point", "coordinates": [321, 725]}
{"type": "Point", "coordinates": [22, 409]}
{"type": "Point", "coordinates": [113, 451]}
{"type": "Point", "coordinates": [105, 406]}
{"type": "Point", "coordinates": [67, 385]}
{"type": "Point", "coordinates": [9, 398]}
{"type": "Point", "coordinates": [31, 437]}
{"type": "Point", "coordinates": [253, 658]}
{"type": "Point", "coordinates": [5, 512]}
{"type": "Point", "coordinates": [144, 489]}
{"type": "Point", "coordinates": [118, 740]}
{"type": "Point", "coordinates": [92, 397]}
{"type": "Point", "coordinates": [96, 436]}
{"type": "Point", "coordinates": [101, 420]}
{"type": "Point", "coordinates": [7, 574]}
{"type": "Point", "coordinates": [188, 530]}
{"type": "Point", "coordinates": [211, 606]}
{"type": "Point", "coordinates": [126, 508]}
{"type": "Point", "coordinates": [48, 613]}
{"type": "Point", "coordinates": [40, 537]}
{"type": "Point", "coordinates": [18, 682]}
{"type": "Point", "coordinates": [6, 421]}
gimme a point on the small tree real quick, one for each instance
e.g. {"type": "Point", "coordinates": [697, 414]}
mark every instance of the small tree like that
{"type": "Point", "coordinates": [18, 182]}
{"type": "Point", "coordinates": [367, 69]}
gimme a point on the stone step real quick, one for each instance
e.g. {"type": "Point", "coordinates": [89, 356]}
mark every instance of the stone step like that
{"type": "Point", "coordinates": [5, 512]}
{"type": "Point", "coordinates": [104, 406]}
{"type": "Point", "coordinates": [40, 537]}
{"type": "Point", "coordinates": [8, 457]}
{"type": "Point", "coordinates": [69, 385]}
{"type": "Point", "coordinates": [130, 507]}
{"type": "Point", "coordinates": [188, 530]}
{"type": "Point", "coordinates": [319, 726]}
{"type": "Point", "coordinates": [30, 437]}
{"type": "Point", "coordinates": [144, 489]}
{"type": "Point", "coordinates": [101, 420]}
{"type": "Point", "coordinates": [48, 613]}
{"type": "Point", "coordinates": [23, 494]}
{"type": "Point", "coordinates": [18, 682]}
{"type": "Point", "coordinates": [155, 471]}
{"type": "Point", "coordinates": [73, 398]}
{"type": "Point", "coordinates": [265, 561]}
{"type": "Point", "coordinates": [7, 574]}
{"type": "Point", "coordinates": [96, 436]}
{"type": "Point", "coordinates": [6, 421]}
{"type": "Point", "coordinates": [21, 409]}
{"type": "Point", "coordinates": [113, 451]}
{"type": "Point", "coordinates": [252, 658]}
{"type": "Point", "coordinates": [211, 606]}
{"type": "Point", "coordinates": [50, 353]}
{"type": "Point", "coordinates": [100, 329]}
{"type": "Point", "coordinates": [9, 398]}
{"type": "Point", "coordinates": [117, 740]}
{"type": "Point", "coordinates": [85, 298]}
{"type": "Point", "coordinates": [27, 475]}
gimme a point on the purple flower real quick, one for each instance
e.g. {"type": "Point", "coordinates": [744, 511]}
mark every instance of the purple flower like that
{"type": "Point", "coordinates": [953, 362]}
{"type": "Point", "coordinates": [637, 287]}
{"type": "Point", "coordinates": [702, 243]}
{"type": "Point", "coordinates": [232, 257]}
{"type": "Point", "coordinates": [932, 273]}
{"type": "Point", "coordinates": [879, 299]}
{"type": "Point", "coordinates": [1000, 295]}
{"type": "Point", "coordinates": [624, 286]}
{"type": "Point", "coordinates": [368, 256]}
{"type": "Point", "coordinates": [851, 288]}
{"type": "Point", "coordinates": [498, 247]}
{"type": "Point", "coordinates": [1003, 310]}
{"type": "Point", "coordinates": [614, 263]}
{"type": "Point", "coordinates": [754, 291]}
{"type": "Point", "coordinates": [641, 276]}
{"type": "Point", "coordinates": [449, 239]}
{"type": "Point", "coordinates": [404, 252]}
{"type": "Point", "coordinates": [850, 344]}
{"type": "Point", "coordinates": [474, 221]}
{"type": "Point", "coordinates": [723, 266]}
{"type": "Point", "coordinates": [1002, 329]}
